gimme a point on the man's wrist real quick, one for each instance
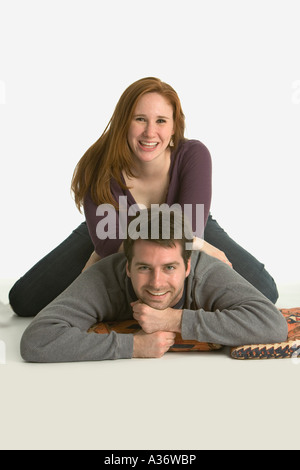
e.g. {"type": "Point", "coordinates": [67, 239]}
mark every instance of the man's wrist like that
{"type": "Point", "coordinates": [136, 346]}
{"type": "Point", "coordinates": [175, 320]}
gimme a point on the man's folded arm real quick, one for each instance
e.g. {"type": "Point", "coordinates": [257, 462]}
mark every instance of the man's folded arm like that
{"type": "Point", "coordinates": [51, 339]}
{"type": "Point", "coordinates": [59, 332]}
{"type": "Point", "coordinates": [226, 309]}
{"type": "Point", "coordinates": [253, 321]}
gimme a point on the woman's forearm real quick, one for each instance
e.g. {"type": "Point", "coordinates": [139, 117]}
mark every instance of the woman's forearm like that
{"type": "Point", "coordinates": [94, 258]}
{"type": "Point", "coordinates": [202, 245]}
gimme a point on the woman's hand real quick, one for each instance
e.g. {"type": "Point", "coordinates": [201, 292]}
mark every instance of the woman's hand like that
{"type": "Point", "coordinates": [201, 245]}
{"type": "Point", "coordinates": [92, 260]}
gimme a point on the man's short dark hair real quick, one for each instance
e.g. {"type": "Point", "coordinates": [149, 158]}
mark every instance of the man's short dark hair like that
{"type": "Point", "coordinates": [162, 226]}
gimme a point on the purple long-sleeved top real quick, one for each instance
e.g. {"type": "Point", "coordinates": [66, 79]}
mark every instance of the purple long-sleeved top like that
{"type": "Point", "coordinates": [190, 185]}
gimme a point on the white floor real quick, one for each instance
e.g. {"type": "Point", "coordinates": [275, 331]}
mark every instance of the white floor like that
{"type": "Point", "coordinates": [182, 401]}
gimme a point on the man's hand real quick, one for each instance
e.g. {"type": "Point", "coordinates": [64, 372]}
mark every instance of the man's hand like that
{"type": "Point", "coordinates": [153, 345]}
{"type": "Point", "coordinates": [152, 320]}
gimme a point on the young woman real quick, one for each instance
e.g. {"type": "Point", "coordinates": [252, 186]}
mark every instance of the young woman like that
{"type": "Point", "coordinates": [142, 158]}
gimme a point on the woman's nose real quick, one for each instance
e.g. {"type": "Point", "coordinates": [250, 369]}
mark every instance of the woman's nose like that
{"type": "Point", "coordinates": [149, 130]}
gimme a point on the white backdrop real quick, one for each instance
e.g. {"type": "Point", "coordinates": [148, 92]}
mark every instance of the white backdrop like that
{"type": "Point", "coordinates": [235, 65]}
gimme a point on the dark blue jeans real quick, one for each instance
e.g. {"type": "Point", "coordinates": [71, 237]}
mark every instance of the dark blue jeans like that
{"type": "Point", "coordinates": [56, 271]}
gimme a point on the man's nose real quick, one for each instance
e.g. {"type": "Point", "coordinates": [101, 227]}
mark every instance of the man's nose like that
{"type": "Point", "coordinates": [157, 279]}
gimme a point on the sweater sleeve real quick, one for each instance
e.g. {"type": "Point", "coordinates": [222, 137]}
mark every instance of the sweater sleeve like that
{"type": "Point", "coordinates": [230, 311]}
{"type": "Point", "coordinates": [107, 241]}
{"type": "Point", "coordinates": [59, 332]}
{"type": "Point", "coordinates": [191, 183]}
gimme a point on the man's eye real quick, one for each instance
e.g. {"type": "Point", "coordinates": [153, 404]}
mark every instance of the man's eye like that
{"type": "Point", "coordinates": [170, 268]}
{"type": "Point", "coordinates": [143, 268]}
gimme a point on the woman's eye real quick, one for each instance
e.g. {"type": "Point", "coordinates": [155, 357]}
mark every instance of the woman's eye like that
{"type": "Point", "coordinates": [142, 119]}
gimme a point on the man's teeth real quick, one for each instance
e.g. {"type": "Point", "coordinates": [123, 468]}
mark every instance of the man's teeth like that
{"type": "Point", "coordinates": [157, 293]}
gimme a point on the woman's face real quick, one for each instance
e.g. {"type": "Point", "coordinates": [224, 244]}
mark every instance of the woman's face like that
{"type": "Point", "coordinates": [151, 128]}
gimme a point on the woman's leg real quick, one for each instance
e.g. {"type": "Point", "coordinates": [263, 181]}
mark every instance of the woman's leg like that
{"type": "Point", "coordinates": [242, 261]}
{"type": "Point", "coordinates": [52, 275]}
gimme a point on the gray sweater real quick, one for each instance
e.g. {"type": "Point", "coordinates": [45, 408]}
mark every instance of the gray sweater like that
{"type": "Point", "coordinates": [219, 307]}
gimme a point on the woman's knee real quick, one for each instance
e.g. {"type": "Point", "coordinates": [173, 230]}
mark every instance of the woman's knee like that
{"type": "Point", "coordinates": [18, 300]}
{"type": "Point", "coordinates": [52, 274]}
{"type": "Point", "coordinates": [242, 261]}
{"type": "Point", "coordinates": [264, 282]}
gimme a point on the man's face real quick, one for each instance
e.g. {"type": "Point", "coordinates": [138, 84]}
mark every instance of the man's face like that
{"type": "Point", "coordinates": [158, 274]}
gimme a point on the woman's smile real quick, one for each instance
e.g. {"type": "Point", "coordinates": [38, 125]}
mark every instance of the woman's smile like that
{"type": "Point", "coordinates": [148, 145]}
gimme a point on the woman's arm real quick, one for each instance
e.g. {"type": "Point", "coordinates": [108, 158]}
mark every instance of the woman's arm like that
{"type": "Point", "coordinates": [191, 183]}
{"type": "Point", "coordinates": [193, 187]}
{"type": "Point", "coordinates": [109, 242]}
{"type": "Point", "coordinates": [201, 245]}
{"type": "Point", "coordinates": [94, 258]}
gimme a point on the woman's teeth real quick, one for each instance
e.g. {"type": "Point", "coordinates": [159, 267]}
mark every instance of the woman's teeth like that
{"type": "Point", "coordinates": [149, 144]}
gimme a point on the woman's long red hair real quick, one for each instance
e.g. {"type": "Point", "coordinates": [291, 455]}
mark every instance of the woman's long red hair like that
{"type": "Point", "coordinates": [111, 154]}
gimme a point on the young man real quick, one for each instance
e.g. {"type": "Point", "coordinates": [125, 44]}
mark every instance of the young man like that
{"type": "Point", "coordinates": [166, 288]}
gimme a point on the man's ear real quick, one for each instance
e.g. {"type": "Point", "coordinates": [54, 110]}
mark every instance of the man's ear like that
{"type": "Point", "coordinates": [188, 269]}
{"type": "Point", "coordinates": [127, 270]}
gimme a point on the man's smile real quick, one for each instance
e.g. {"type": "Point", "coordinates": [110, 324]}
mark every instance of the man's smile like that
{"type": "Point", "coordinates": [157, 294]}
